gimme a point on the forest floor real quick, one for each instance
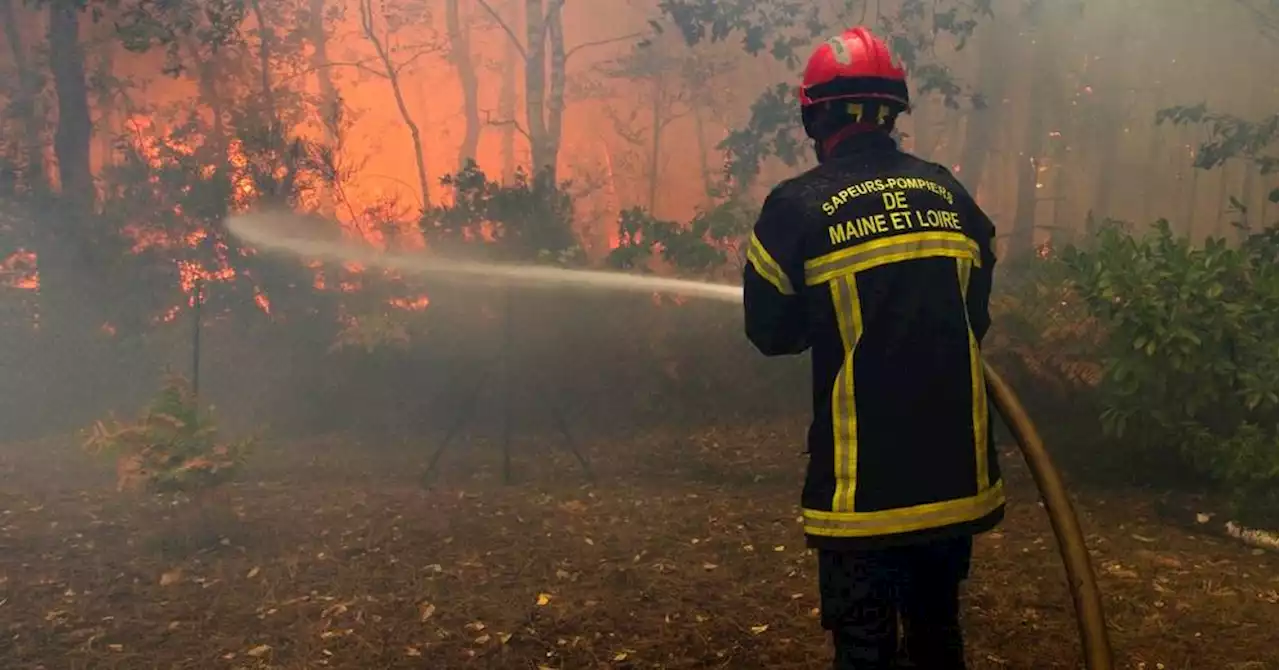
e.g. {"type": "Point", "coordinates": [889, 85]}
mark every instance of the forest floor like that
{"type": "Point", "coordinates": [684, 553]}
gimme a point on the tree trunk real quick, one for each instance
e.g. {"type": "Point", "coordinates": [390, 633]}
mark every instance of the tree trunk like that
{"type": "Point", "coordinates": [1112, 118]}
{"type": "Point", "coordinates": [1154, 177]}
{"type": "Point", "coordinates": [104, 102]}
{"type": "Point", "coordinates": [265, 38]}
{"type": "Point", "coordinates": [655, 142]}
{"type": "Point", "coordinates": [1022, 236]}
{"type": "Point", "coordinates": [507, 103]}
{"type": "Point", "coordinates": [980, 125]}
{"type": "Point", "coordinates": [207, 71]}
{"type": "Point", "coordinates": [460, 56]}
{"type": "Point", "coordinates": [1193, 141]}
{"type": "Point", "coordinates": [1254, 206]}
{"type": "Point", "coordinates": [535, 72]}
{"type": "Point", "coordinates": [1219, 221]}
{"type": "Point", "coordinates": [330, 104]}
{"type": "Point", "coordinates": [699, 127]}
{"type": "Point", "coordinates": [1109, 142]}
{"type": "Point", "coordinates": [74, 134]}
{"type": "Point", "coordinates": [555, 101]}
{"type": "Point", "coordinates": [26, 102]}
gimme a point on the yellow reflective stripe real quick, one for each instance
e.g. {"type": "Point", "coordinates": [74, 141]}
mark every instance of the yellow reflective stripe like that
{"type": "Point", "coordinates": [889, 250]}
{"type": "Point", "coordinates": [906, 519]}
{"type": "Point", "coordinates": [844, 411]}
{"type": "Point", "coordinates": [977, 385]}
{"type": "Point", "coordinates": [763, 262]}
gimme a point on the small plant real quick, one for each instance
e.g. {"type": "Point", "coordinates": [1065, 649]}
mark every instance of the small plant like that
{"type": "Point", "coordinates": [170, 448]}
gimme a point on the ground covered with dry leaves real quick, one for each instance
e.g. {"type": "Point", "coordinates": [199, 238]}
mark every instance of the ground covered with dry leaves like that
{"type": "Point", "coordinates": [684, 553]}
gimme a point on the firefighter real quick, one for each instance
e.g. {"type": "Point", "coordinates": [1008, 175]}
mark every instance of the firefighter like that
{"type": "Point", "coordinates": [879, 264]}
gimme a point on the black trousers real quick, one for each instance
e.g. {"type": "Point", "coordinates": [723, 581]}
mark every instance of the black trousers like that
{"type": "Point", "coordinates": [897, 607]}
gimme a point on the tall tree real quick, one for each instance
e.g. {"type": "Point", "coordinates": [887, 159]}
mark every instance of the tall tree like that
{"type": "Point", "coordinates": [26, 103]}
{"type": "Point", "coordinates": [380, 29]}
{"type": "Point", "coordinates": [463, 63]}
{"type": "Point", "coordinates": [663, 83]}
{"type": "Point", "coordinates": [266, 43]}
{"type": "Point", "coordinates": [318, 36]}
{"type": "Point", "coordinates": [73, 138]}
{"type": "Point", "coordinates": [545, 60]}
{"type": "Point", "coordinates": [511, 60]}
{"type": "Point", "coordinates": [982, 121]}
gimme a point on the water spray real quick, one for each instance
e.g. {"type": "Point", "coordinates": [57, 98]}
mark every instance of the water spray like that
{"type": "Point", "coordinates": [288, 233]}
{"type": "Point", "coordinates": [282, 234]}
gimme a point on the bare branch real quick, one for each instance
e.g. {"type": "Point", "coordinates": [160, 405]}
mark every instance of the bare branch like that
{"type": "Point", "coordinates": [505, 28]}
{"type": "Point", "coordinates": [359, 65]}
{"type": "Point", "coordinates": [599, 43]}
{"type": "Point", "coordinates": [1266, 18]}
{"type": "Point", "coordinates": [489, 121]}
{"type": "Point", "coordinates": [414, 57]}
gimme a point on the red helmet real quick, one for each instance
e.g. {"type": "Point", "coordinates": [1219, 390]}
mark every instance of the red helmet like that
{"type": "Point", "coordinates": [854, 66]}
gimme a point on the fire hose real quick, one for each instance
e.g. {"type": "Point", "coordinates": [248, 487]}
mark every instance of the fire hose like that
{"type": "Point", "coordinates": [1094, 638]}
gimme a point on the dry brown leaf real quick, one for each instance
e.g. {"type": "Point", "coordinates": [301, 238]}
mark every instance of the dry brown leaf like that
{"type": "Point", "coordinates": [412, 651]}
{"type": "Point", "coordinates": [756, 630]}
{"type": "Point", "coordinates": [115, 647]}
{"type": "Point", "coordinates": [620, 656]}
{"type": "Point", "coordinates": [259, 651]}
{"type": "Point", "coordinates": [483, 639]}
{"type": "Point", "coordinates": [253, 573]}
{"type": "Point", "coordinates": [171, 577]}
{"type": "Point", "coordinates": [426, 611]}
{"type": "Point", "coordinates": [574, 506]}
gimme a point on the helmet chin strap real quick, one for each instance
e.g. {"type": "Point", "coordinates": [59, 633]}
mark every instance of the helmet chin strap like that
{"type": "Point", "coordinates": [825, 146]}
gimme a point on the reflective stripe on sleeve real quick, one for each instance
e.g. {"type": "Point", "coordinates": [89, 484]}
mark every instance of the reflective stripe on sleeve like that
{"type": "Point", "coordinates": [767, 267]}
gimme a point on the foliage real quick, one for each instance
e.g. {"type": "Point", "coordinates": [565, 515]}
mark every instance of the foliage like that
{"type": "Point", "coordinates": [784, 27]}
{"type": "Point", "coordinates": [170, 447]}
{"type": "Point", "coordinates": [528, 219]}
{"type": "Point", "coordinates": [180, 25]}
{"type": "Point", "coordinates": [1229, 137]}
{"type": "Point", "coordinates": [700, 247]}
{"type": "Point", "coordinates": [1190, 353]}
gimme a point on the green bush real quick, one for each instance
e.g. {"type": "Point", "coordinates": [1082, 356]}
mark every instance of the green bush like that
{"type": "Point", "coordinates": [1190, 352]}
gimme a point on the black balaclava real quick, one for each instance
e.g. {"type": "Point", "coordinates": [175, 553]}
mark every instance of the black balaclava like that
{"type": "Point", "coordinates": [830, 123]}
